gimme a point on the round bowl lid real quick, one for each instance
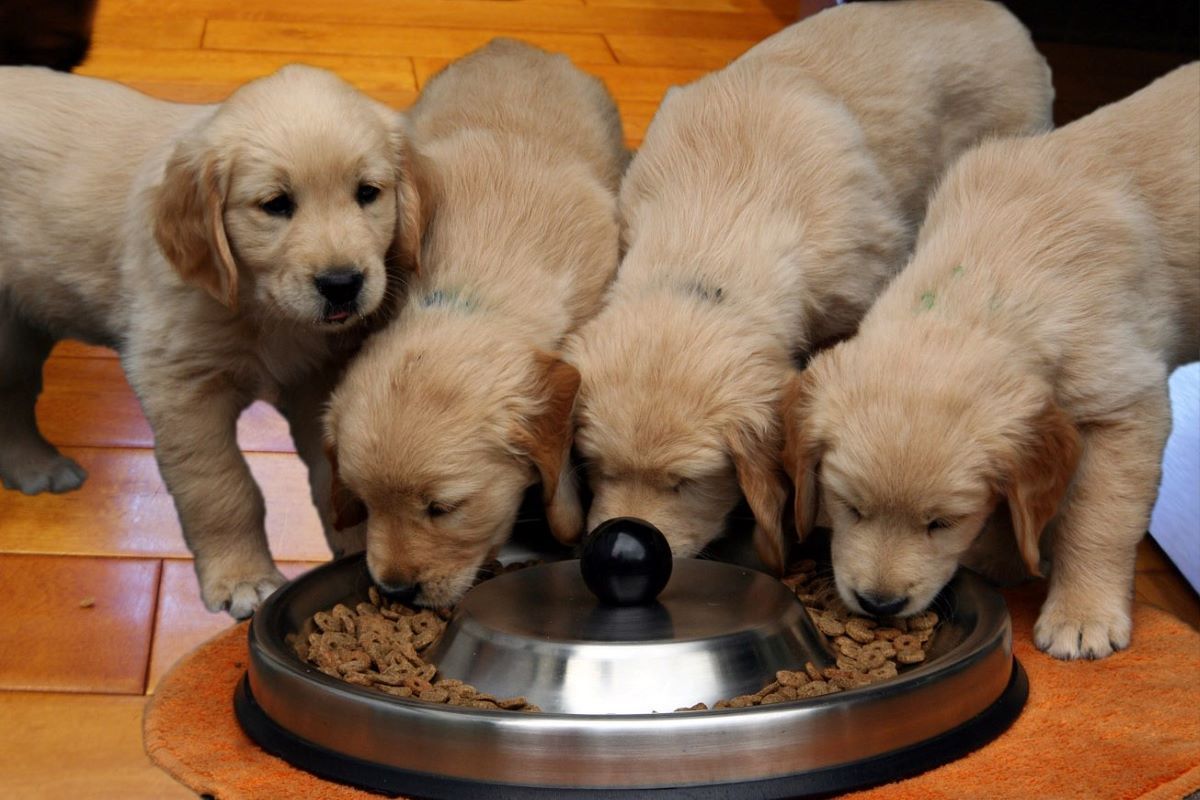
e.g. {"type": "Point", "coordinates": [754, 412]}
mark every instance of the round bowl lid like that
{"type": "Point", "coordinates": [716, 631]}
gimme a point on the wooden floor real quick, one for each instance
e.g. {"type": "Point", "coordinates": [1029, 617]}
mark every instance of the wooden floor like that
{"type": "Point", "coordinates": [99, 595]}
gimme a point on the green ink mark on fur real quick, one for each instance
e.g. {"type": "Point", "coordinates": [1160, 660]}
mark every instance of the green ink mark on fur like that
{"type": "Point", "coordinates": [958, 271]}
{"type": "Point", "coordinates": [927, 301]}
{"type": "Point", "coordinates": [995, 304]}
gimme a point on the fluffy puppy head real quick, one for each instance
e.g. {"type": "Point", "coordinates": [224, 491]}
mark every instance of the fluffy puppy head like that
{"type": "Point", "coordinates": [909, 443]}
{"type": "Point", "coordinates": [434, 440]}
{"type": "Point", "coordinates": [676, 421]}
{"type": "Point", "coordinates": [294, 198]}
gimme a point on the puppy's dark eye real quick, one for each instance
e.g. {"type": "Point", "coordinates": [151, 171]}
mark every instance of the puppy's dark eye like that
{"type": "Point", "coordinates": [679, 485]}
{"type": "Point", "coordinates": [438, 509]}
{"type": "Point", "coordinates": [854, 512]}
{"type": "Point", "coordinates": [366, 194]}
{"type": "Point", "coordinates": [939, 524]}
{"type": "Point", "coordinates": [281, 205]}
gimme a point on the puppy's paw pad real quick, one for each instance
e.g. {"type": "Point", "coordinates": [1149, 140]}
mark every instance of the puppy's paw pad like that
{"type": "Point", "coordinates": [240, 595]}
{"type": "Point", "coordinates": [55, 474]}
{"type": "Point", "coordinates": [1069, 636]}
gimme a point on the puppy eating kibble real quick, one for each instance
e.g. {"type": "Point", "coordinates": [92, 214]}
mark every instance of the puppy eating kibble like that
{"type": "Point", "coordinates": [461, 404]}
{"type": "Point", "coordinates": [768, 205]}
{"type": "Point", "coordinates": [227, 252]}
{"type": "Point", "coordinates": [1016, 369]}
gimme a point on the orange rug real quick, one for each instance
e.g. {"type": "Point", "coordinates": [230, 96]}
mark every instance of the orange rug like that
{"type": "Point", "coordinates": [1124, 727]}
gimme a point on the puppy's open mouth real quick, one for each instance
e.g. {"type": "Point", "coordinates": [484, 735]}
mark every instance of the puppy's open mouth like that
{"type": "Point", "coordinates": [336, 317]}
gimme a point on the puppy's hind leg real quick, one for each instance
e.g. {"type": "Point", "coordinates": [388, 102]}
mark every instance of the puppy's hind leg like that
{"type": "Point", "coordinates": [1087, 611]}
{"type": "Point", "coordinates": [28, 463]}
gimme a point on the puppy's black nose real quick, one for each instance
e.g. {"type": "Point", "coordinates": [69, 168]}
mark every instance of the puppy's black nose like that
{"type": "Point", "coordinates": [339, 286]}
{"type": "Point", "coordinates": [879, 605]}
{"type": "Point", "coordinates": [400, 592]}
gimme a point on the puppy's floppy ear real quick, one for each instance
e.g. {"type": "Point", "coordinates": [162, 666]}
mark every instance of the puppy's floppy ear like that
{"type": "Point", "coordinates": [347, 509]}
{"type": "Point", "coordinates": [1038, 478]}
{"type": "Point", "coordinates": [756, 459]}
{"type": "Point", "coordinates": [801, 450]}
{"type": "Point", "coordinates": [189, 221]}
{"type": "Point", "coordinates": [546, 439]}
{"type": "Point", "coordinates": [414, 195]}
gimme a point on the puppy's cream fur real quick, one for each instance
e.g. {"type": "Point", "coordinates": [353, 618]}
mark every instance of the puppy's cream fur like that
{"type": "Point", "coordinates": [1017, 368]}
{"type": "Point", "coordinates": [136, 223]}
{"type": "Point", "coordinates": [767, 207]}
{"type": "Point", "coordinates": [459, 406]}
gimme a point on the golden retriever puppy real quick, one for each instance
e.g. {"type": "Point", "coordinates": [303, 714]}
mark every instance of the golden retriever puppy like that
{"type": "Point", "coordinates": [460, 405]}
{"type": "Point", "coordinates": [768, 205]}
{"type": "Point", "coordinates": [1018, 365]}
{"type": "Point", "coordinates": [228, 252]}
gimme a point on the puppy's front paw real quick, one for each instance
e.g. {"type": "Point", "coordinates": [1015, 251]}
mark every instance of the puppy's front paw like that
{"type": "Point", "coordinates": [34, 473]}
{"type": "Point", "coordinates": [1066, 633]}
{"type": "Point", "coordinates": [239, 593]}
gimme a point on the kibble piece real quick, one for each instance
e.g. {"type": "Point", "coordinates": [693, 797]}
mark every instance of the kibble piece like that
{"type": "Point", "coordinates": [788, 678]}
{"type": "Point", "coordinates": [816, 689]}
{"type": "Point", "coordinates": [813, 673]}
{"type": "Point", "coordinates": [911, 656]}
{"type": "Point", "coordinates": [924, 621]}
{"type": "Point", "coordinates": [861, 630]}
{"type": "Point", "coordinates": [887, 634]}
{"type": "Point", "coordinates": [906, 642]}
{"type": "Point", "coordinates": [432, 695]}
{"type": "Point", "coordinates": [830, 626]}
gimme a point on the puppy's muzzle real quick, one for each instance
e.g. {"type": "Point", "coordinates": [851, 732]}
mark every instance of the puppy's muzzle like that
{"type": "Point", "coordinates": [400, 592]}
{"type": "Point", "coordinates": [880, 606]}
{"type": "Point", "coordinates": [340, 287]}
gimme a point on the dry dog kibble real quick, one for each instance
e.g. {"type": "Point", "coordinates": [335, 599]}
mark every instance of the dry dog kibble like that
{"type": "Point", "coordinates": [378, 644]}
{"type": "Point", "coordinates": [867, 650]}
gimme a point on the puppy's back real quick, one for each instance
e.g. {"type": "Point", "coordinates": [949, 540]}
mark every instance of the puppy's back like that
{"type": "Point", "coordinates": [514, 89]}
{"type": "Point", "coordinates": [925, 79]}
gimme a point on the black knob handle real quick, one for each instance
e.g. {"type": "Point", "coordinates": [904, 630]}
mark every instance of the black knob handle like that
{"type": "Point", "coordinates": [625, 562]}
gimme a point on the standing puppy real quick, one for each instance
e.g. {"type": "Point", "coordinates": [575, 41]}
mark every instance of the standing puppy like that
{"type": "Point", "coordinates": [452, 412]}
{"type": "Point", "coordinates": [1020, 359]}
{"type": "Point", "coordinates": [227, 252]}
{"type": "Point", "coordinates": [768, 206]}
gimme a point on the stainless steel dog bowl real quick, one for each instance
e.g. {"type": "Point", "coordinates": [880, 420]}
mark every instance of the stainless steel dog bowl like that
{"type": "Point", "coordinates": [538, 633]}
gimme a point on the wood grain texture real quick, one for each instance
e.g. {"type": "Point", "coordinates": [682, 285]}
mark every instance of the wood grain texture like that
{"type": "Point", "coordinates": [678, 51]}
{"type": "Point", "coordinates": [82, 747]}
{"type": "Point", "coordinates": [76, 624]}
{"type": "Point", "coordinates": [384, 40]}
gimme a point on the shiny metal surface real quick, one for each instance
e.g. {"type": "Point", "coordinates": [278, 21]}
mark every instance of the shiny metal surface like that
{"type": "Point", "coordinates": [716, 631]}
{"type": "Point", "coordinates": [967, 670]}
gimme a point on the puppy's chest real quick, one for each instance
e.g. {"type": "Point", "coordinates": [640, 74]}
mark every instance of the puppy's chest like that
{"type": "Point", "coordinates": [282, 361]}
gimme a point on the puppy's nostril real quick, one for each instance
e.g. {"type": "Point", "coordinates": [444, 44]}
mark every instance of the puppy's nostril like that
{"type": "Point", "coordinates": [400, 592]}
{"type": "Point", "coordinates": [339, 286]}
{"type": "Point", "coordinates": [879, 605]}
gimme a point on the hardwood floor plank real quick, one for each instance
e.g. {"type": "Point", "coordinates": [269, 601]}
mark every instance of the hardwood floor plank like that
{"type": "Point", "coordinates": [475, 15]}
{"type": "Point", "coordinates": [72, 349]}
{"type": "Point", "coordinates": [227, 67]}
{"type": "Point", "coordinates": [164, 33]}
{"type": "Point", "coordinates": [82, 747]}
{"type": "Point", "coordinates": [76, 624]}
{"type": "Point", "coordinates": [303, 38]}
{"type": "Point", "coordinates": [677, 51]}
{"type": "Point", "coordinates": [124, 509]}
{"type": "Point", "coordinates": [182, 622]}
{"type": "Point", "coordinates": [88, 403]}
